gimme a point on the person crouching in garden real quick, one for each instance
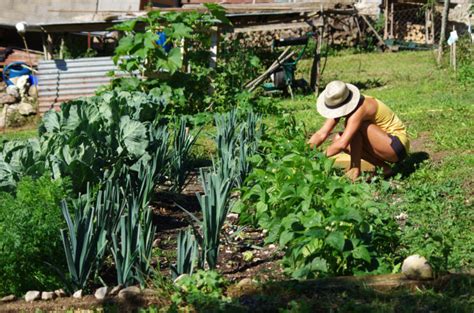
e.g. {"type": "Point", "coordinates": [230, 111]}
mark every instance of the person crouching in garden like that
{"type": "Point", "coordinates": [372, 131]}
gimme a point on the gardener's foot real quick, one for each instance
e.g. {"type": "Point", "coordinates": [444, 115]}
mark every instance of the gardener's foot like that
{"type": "Point", "coordinates": [388, 172]}
{"type": "Point", "coordinates": [353, 174]}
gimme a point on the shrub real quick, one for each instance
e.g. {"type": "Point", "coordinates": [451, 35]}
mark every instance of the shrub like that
{"type": "Point", "coordinates": [29, 236]}
{"type": "Point", "coordinates": [465, 60]}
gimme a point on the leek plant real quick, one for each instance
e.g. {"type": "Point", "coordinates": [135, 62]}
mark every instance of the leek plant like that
{"type": "Point", "coordinates": [186, 254]}
{"type": "Point", "coordinates": [214, 205]}
{"type": "Point", "coordinates": [133, 240]}
{"type": "Point", "coordinates": [132, 245]}
{"type": "Point", "coordinates": [180, 157]}
{"type": "Point", "coordinates": [84, 241]}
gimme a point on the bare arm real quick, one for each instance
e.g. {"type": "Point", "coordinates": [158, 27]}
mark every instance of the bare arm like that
{"type": "Point", "coordinates": [322, 134]}
{"type": "Point", "coordinates": [352, 126]}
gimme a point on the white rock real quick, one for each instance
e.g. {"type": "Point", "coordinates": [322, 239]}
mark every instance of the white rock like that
{"type": "Point", "coordinates": [32, 295]}
{"type": "Point", "coordinates": [180, 278]}
{"type": "Point", "coordinates": [129, 292]}
{"type": "Point", "coordinates": [115, 290]}
{"type": "Point", "coordinates": [417, 267]}
{"type": "Point", "coordinates": [13, 91]}
{"type": "Point", "coordinates": [77, 294]}
{"type": "Point", "coordinates": [48, 295]}
{"type": "Point", "coordinates": [246, 282]}
{"type": "Point", "coordinates": [101, 293]}
{"type": "Point", "coordinates": [148, 292]}
{"type": "Point", "coordinates": [24, 108]}
{"type": "Point", "coordinates": [60, 293]}
{"type": "Point", "coordinates": [9, 298]}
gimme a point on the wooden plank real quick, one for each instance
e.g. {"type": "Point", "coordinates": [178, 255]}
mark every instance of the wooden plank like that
{"type": "Point", "coordinates": [381, 43]}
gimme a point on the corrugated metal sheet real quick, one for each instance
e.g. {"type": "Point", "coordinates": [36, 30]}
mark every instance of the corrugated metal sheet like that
{"type": "Point", "coordinates": [63, 80]}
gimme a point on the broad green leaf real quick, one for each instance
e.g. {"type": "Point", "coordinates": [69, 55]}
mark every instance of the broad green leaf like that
{"type": "Point", "coordinates": [133, 136]}
{"type": "Point", "coordinates": [124, 46]}
{"type": "Point", "coordinates": [336, 240]}
{"type": "Point", "coordinates": [178, 31]}
{"type": "Point", "coordinates": [361, 252]}
{"type": "Point", "coordinates": [126, 26]}
{"type": "Point", "coordinates": [319, 264]}
{"type": "Point", "coordinates": [51, 121]}
{"type": "Point", "coordinates": [285, 237]}
{"type": "Point", "coordinates": [173, 61]}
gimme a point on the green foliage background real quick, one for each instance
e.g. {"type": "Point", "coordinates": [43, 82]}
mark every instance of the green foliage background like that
{"type": "Point", "coordinates": [30, 221]}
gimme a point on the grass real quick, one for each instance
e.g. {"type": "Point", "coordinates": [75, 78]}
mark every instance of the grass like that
{"type": "Point", "coordinates": [439, 114]}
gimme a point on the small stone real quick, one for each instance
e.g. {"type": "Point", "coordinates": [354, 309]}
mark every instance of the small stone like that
{"type": "Point", "coordinates": [32, 295]}
{"type": "Point", "coordinates": [25, 109]}
{"type": "Point", "coordinates": [60, 293]}
{"type": "Point", "coordinates": [77, 294]}
{"type": "Point", "coordinates": [233, 216]}
{"type": "Point", "coordinates": [7, 99]}
{"type": "Point", "coordinates": [180, 278]}
{"type": "Point", "coordinates": [115, 290]}
{"type": "Point", "coordinates": [129, 292]}
{"type": "Point", "coordinates": [13, 91]}
{"type": "Point", "coordinates": [156, 243]}
{"type": "Point", "coordinates": [33, 91]}
{"type": "Point", "coordinates": [48, 295]}
{"type": "Point", "coordinates": [417, 267]}
{"type": "Point", "coordinates": [101, 293]}
{"type": "Point", "coordinates": [246, 282]}
{"type": "Point", "coordinates": [9, 298]}
{"type": "Point", "coordinates": [148, 292]}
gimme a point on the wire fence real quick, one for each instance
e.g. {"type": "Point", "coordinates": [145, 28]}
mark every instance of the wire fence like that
{"type": "Point", "coordinates": [414, 23]}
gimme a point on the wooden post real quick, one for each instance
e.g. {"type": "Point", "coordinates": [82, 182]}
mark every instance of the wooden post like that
{"type": "Point", "coordinates": [427, 23]}
{"type": "Point", "coordinates": [47, 46]}
{"type": "Point", "coordinates": [433, 28]}
{"type": "Point", "coordinates": [214, 45]}
{"type": "Point", "coordinates": [454, 52]}
{"type": "Point", "coordinates": [62, 45]}
{"type": "Point", "coordinates": [391, 20]}
{"type": "Point", "coordinates": [315, 68]}
{"type": "Point", "coordinates": [444, 22]}
{"type": "Point", "coordinates": [44, 39]}
{"type": "Point", "coordinates": [385, 15]}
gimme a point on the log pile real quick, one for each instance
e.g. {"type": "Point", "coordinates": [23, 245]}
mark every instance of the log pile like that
{"type": "Point", "coordinates": [338, 30]}
{"type": "Point", "coordinates": [415, 33]}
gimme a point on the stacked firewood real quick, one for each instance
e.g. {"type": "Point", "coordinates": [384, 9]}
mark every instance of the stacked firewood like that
{"type": "Point", "coordinates": [415, 33]}
{"type": "Point", "coordinates": [338, 30]}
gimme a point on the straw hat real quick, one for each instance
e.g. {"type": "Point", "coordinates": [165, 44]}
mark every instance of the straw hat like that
{"type": "Point", "coordinates": [338, 99]}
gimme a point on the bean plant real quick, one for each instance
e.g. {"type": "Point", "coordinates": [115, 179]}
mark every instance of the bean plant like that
{"type": "Point", "coordinates": [325, 225]}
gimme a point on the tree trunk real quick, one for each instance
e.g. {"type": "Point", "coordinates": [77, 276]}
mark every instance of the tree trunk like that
{"type": "Point", "coordinates": [444, 22]}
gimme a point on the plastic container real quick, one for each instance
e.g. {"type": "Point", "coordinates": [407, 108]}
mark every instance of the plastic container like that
{"type": "Point", "coordinates": [14, 69]}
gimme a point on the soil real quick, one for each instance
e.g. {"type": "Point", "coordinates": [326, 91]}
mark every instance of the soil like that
{"type": "Point", "coordinates": [243, 253]}
{"type": "Point", "coordinates": [423, 143]}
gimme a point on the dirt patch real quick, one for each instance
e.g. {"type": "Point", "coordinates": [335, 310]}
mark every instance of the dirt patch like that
{"type": "Point", "coordinates": [424, 143]}
{"type": "Point", "coordinates": [86, 304]}
{"type": "Point", "coordinates": [243, 253]}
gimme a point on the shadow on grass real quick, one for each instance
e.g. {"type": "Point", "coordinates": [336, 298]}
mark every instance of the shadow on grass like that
{"type": "Point", "coordinates": [452, 293]}
{"type": "Point", "coordinates": [368, 83]}
{"type": "Point", "coordinates": [411, 163]}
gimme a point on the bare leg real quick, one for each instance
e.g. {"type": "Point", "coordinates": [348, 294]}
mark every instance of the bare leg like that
{"type": "Point", "coordinates": [372, 144]}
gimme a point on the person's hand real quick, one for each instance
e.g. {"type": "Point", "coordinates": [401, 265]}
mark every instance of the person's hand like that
{"type": "Point", "coordinates": [316, 140]}
{"type": "Point", "coordinates": [334, 148]}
